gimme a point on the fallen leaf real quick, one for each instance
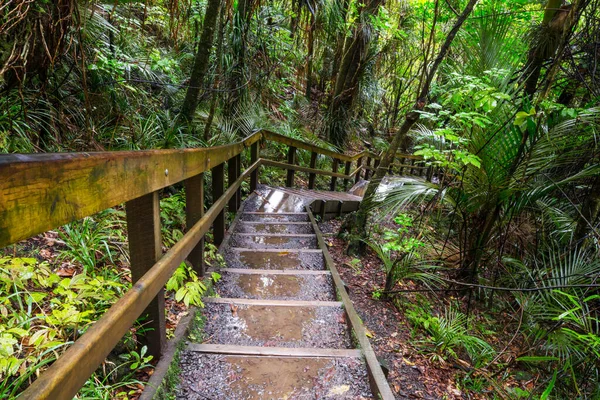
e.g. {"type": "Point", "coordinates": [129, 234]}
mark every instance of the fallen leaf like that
{"type": "Point", "coordinates": [339, 390]}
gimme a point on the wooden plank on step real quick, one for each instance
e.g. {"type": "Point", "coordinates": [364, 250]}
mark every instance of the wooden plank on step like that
{"type": "Point", "coordinates": [273, 351]}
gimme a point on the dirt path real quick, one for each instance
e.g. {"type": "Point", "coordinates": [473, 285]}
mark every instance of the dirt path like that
{"type": "Point", "coordinates": [276, 331]}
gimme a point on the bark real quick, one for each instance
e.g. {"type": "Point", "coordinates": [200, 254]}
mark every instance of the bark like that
{"type": "Point", "coordinates": [310, 55]}
{"type": "Point", "coordinates": [589, 212]}
{"type": "Point", "coordinates": [360, 232]}
{"type": "Point", "coordinates": [349, 75]}
{"type": "Point", "coordinates": [201, 61]}
{"type": "Point", "coordinates": [545, 45]}
{"type": "Point", "coordinates": [219, 57]}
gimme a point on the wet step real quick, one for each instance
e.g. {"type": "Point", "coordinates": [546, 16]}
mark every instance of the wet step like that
{"type": "Point", "coordinates": [237, 377]}
{"type": "Point", "coordinates": [290, 259]}
{"type": "Point", "coordinates": [254, 216]}
{"type": "Point", "coordinates": [276, 323]}
{"type": "Point", "coordinates": [274, 227]}
{"type": "Point", "coordinates": [276, 285]}
{"type": "Point", "coordinates": [274, 241]}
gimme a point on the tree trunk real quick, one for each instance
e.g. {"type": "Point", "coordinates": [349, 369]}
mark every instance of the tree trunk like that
{"type": "Point", "coordinates": [360, 228]}
{"type": "Point", "coordinates": [201, 62]}
{"type": "Point", "coordinates": [215, 96]}
{"type": "Point", "coordinates": [349, 75]}
{"type": "Point", "coordinates": [544, 47]}
{"type": "Point", "coordinates": [590, 210]}
{"type": "Point", "coordinates": [309, 56]}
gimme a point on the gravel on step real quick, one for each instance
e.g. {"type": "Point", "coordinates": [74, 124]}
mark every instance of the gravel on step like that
{"type": "Point", "coordinates": [214, 376]}
{"type": "Point", "coordinates": [276, 326]}
{"type": "Point", "coordinates": [274, 260]}
{"type": "Point", "coordinates": [276, 287]}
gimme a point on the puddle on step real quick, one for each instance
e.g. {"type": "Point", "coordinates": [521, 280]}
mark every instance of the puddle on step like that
{"type": "Point", "coordinates": [283, 260]}
{"type": "Point", "coordinates": [281, 323]}
{"type": "Point", "coordinates": [275, 378]}
{"type": "Point", "coordinates": [269, 286]}
{"type": "Point", "coordinates": [277, 201]}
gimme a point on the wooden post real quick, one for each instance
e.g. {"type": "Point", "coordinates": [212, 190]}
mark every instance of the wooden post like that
{"type": "Point", "coordinates": [358, 164]}
{"type": "Point", "coordinates": [347, 172]}
{"type": "Point", "coordinates": [291, 159]}
{"type": "Point", "coordinates": [429, 175]}
{"type": "Point", "coordinates": [313, 164]}
{"type": "Point", "coordinates": [254, 153]}
{"type": "Point", "coordinates": [194, 210]}
{"type": "Point", "coordinates": [217, 191]}
{"type": "Point", "coordinates": [412, 164]}
{"type": "Point", "coordinates": [238, 163]}
{"type": "Point", "coordinates": [336, 162]}
{"type": "Point", "coordinates": [145, 248]}
{"type": "Point", "coordinates": [232, 175]}
{"type": "Point", "coordinates": [375, 165]}
{"type": "Point", "coordinates": [366, 170]}
{"type": "Point", "coordinates": [401, 170]}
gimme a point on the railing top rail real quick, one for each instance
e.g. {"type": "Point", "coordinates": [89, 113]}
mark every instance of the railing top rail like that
{"type": "Point", "coordinates": [39, 192]}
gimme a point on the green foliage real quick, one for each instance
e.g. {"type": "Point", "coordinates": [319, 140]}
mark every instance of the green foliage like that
{"type": "Point", "coordinates": [448, 333]}
{"type": "Point", "coordinates": [42, 313]}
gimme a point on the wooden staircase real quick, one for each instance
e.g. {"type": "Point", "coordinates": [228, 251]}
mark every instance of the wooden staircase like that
{"type": "Point", "coordinates": [278, 329]}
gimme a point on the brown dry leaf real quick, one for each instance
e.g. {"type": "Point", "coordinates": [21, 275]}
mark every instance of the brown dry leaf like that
{"type": "Point", "coordinates": [234, 309]}
{"type": "Point", "coordinates": [65, 272]}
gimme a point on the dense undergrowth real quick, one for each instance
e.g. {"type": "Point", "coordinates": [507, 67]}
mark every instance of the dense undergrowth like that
{"type": "Point", "coordinates": [501, 243]}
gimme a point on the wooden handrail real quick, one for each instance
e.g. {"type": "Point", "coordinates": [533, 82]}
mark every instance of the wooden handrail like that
{"type": "Point", "coordinates": [69, 373]}
{"type": "Point", "coordinates": [39, 192]}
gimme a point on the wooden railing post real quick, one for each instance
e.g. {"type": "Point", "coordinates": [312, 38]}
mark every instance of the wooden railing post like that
{"type": "Point", "coordinates": [367, 171]}
{"type": "Point", "coordinates": [347, 172]}
{"type": "Point", "coordinates": [254, 149]}
{"type": "Point", "coordinates": [291, 159]}
{"type": "Point", "coordinates": [312, 177]}
{"type": "Point", "coordinates": [232, 175]}
{"type": "Point", "coordinates": [401, 169]}
{"type": "Point", "coordinates": [238, 196]}
{"type": "Point", "coordinates": [145, 248]}
{"type": "Point", "coordinates": [334, 168]}
{"type": "Point", "coordinates": [375, 165]}
{"type": "Point", "coordinates": [217, 191]}
{"type": "Point", "coordinates": [358, 174]}
{"type": "Point", "coordinates": [194, 210]}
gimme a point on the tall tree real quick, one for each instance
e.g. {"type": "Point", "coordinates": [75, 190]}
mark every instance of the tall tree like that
{"type": "Point", "coordinates": [359, 227]}
{"type": "Point", "coordinates": [351, 69]}
{"type": "Point", "coordinates": [201, 61]}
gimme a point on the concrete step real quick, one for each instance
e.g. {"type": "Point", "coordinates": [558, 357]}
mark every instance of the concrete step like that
{"type": "Point", "coordinates": [274, 323]}
{"type": "Point", "coordinates": [280, 285]}
{"type": "Point", "coordinates": [274, 227]}
{"type": "Point", "coordinates": [291, 259]}
{"type": "Point", "coordinates": [274, 217]}
{"type": "Point", "coordinates": [231, 376]}
{"type": "Point", "coordinates": [274, 241]}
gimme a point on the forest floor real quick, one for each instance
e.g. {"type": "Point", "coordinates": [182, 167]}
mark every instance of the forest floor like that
{"type": "Point", "coordinates": [412, 375]}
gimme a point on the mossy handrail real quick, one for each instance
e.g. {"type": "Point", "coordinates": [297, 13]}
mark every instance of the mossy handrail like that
{"type": "Point", "coordinates": [39, 192]}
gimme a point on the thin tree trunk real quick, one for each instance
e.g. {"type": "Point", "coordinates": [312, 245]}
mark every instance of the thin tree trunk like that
{"type": "Point", "coordinates": [219, 57]}
{"type": "Point", "coordinates": [590, 210]}
{"type": "Point", "coordinates": [360, 232]}
{"type": "Point", "coordinates": [543, 49]}
{"type": "Point", "coordinates": [309, 56]}
{"type": "Point", "coordinates": [201, 62]}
